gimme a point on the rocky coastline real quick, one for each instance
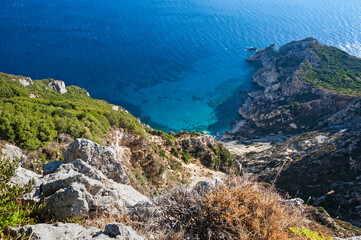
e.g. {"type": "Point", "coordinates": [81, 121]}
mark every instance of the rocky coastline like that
{"type": "Point", "coordinates": [318, 129]}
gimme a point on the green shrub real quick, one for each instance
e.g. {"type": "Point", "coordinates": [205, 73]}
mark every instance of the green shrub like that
{"type": "Point", "coordinates": [162, 153]}
{"type": "Point", "coordinates": [12, 211]}
{"type": "Point", "coordinates": [224, 159]}
{"type": "Point", "coordinates": [174, 151]}
{"type": "Point", "coordinates": [174, 165]}
{"type": "Point", "coordinates": [139, 177]}
{"type": "Point", "coordinates": [309, 234]}
{"type": "Point", "coordinates": [32, 122]}
{"type": "Point", "coordinates": [186, 156]}
{"type": "Point", "coordinates": [168, 138]}
{"type": "Point", "coordinates": [338, 72]}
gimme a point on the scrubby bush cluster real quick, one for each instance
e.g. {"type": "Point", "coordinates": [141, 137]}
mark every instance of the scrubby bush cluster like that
{"type": "Point", "coordinates": [31, 122]}
{"type": "Point", "coordinates": [223, 159]}
{"type": "Point", "coordinates": [12, 210]}
{"type": "Point", "coordinates": [338, 71]}
{"type": "Point", "coordinates": [307, 233]}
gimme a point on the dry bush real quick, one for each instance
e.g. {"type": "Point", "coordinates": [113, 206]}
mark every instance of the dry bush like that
{"type": "Point", "coordinates": [238, 209]}
{"type": "Point", "coordinates": [245, 210]}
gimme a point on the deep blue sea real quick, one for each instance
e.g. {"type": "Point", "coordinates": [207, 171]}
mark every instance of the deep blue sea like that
{"type": "Point", "coordinates": [176, 64]}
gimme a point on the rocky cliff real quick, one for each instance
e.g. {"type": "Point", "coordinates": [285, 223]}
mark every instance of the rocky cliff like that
{"type": "Point", "coordinates": [315, 151]}
{"type": "Point", "coordinates": [286, 102]}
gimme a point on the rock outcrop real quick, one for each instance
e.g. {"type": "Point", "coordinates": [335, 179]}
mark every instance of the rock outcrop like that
{"type": "Point", "coordinates": [23, 176]}
{"type": "Point", "coordinates": [66, 231]}
{"type": "Point", "coordinates": [77, 189]}
{"type": "Point", "coordinates": [58, 86]}
{"type": "Point", "coordinates": [285, 103]}
{"type": "Point", "coordinates": [100, 157]}
{"type": "Point", "coordinates": [26, 81]}
{"type": "Point", "coordinates": [80, 189]}
{"type": "Point", "coordinates": [325, 148]}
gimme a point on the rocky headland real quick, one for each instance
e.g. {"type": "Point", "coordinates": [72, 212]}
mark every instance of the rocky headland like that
{"type": "Point", "coordinates": [306, 119]}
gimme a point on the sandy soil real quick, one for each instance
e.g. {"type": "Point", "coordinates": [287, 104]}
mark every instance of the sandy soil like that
{"type": "Point", "coordinates": [253, 145]}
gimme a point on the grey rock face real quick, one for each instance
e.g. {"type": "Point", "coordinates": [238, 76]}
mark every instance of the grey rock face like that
{"type": "Point", "coordinates": [100, 157]}
{"type": "Point", "coordinates": [23, 176]}
{"type": "Point", "coordinates": [12, 152]}
{"type": "Point", "coordinates": [120, 231]}
{"type": "Point", "coordinates": [207, 185]}
{"type": "Point", "coordinates": [238, 165]}
{"type": "Point", "coordinates": [67, 231]}
{"type": "Point", "coordinates": [285, 102]}
{"type": "Point", "coordinates": [51, 167]}
{"type": "Point", "coordinates": [58, 86]}
{"type": "Point", "coordinates": [78, 189]}
{"type": "Point", "coordinates": [69, 202]}
{"type": "Point", "coordinates": [294, 203]}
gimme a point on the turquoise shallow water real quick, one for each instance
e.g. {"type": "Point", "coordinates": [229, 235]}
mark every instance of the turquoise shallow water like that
{"type": "Point", "coordinates": [176, 64]}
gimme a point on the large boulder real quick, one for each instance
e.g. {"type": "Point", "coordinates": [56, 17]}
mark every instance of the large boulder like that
{"type": "Point", "coordinates": [77, 189]}
{"type": "Point", "coordinates": [66, 231]}
{"type": "Point", "coordinates": [98, 156]}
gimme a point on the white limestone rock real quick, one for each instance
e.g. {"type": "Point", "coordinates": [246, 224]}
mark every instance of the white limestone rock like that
{"type": "Point", "coordinates": [26, 81]}
{"type": "Point", "coordinates": [12, 152]}
{"type": "Point", "coordinates": [58, 86]}
{"type": "Point", "coordinates": [22, 176]}
{"type": "Point", "coordinates": [66, 231]}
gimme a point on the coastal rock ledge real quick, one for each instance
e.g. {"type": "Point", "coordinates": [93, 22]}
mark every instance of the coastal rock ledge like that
{"type": "Point", "coordinates": [308, 110]}
{"type": "Point", "coordinates": [285, 102]}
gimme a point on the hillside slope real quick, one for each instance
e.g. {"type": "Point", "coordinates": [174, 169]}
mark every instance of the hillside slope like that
{"type": "Point", "coordinates": [44, 116]}
{"type": "Point", "coordinates": [309, 104]}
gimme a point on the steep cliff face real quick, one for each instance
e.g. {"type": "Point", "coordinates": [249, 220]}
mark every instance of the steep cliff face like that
{"type": "Point", "coordinates": [285, 102]}
{"type": "Point", "coordinates": [309, 93]}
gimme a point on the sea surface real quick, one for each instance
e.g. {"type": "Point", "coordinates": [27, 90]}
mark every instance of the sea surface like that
{"type": "Point", "coordinates": [175, 64]}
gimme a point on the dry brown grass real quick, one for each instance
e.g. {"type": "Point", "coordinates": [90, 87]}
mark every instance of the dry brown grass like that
{"type": "Point", "coordinates": [247, 210]}
{"type": "Point", "coordinates": [238, 209]}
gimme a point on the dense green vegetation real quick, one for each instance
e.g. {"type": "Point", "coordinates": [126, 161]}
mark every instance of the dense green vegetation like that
{"type": "Point", "coordinates": [168, 138]}
{"type": "Point", "coordinates": [338, 72]}
{"type": "Point", "coordinates": [31, 122]}
{"type": "Point", "coordinates": [12, 211]}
